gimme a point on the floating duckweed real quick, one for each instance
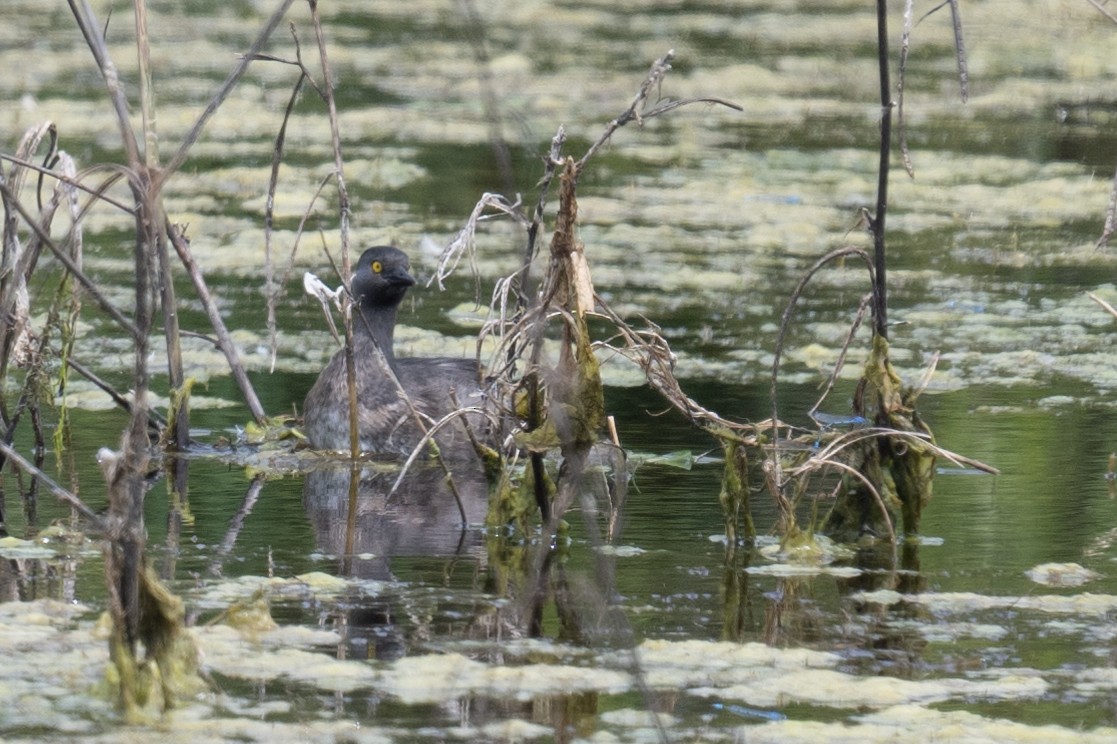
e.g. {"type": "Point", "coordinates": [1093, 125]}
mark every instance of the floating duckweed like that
{"type": "Point", "coordinates": [1060, 574]}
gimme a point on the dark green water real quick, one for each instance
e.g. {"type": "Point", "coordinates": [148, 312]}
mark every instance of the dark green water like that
{"type": "Point", "coordinates": [703, 221]}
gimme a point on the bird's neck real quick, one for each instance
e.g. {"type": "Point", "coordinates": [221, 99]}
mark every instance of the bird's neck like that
{"type": "Point", "coordinates": [379, 323]}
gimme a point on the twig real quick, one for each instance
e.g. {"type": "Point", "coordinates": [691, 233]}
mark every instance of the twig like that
{"type": "Point", "coordinates": [551, 161]}
{"type": "Point", "coordinates": [873, 490]}
{"type": "Point", "coordinates": [147, 92]}
{"type": "Point", "coordinates": [69, 498]}
{"type": "Point", "coordinates": [1103, 10]}
{"type": "Point", "coordinates": [1105, 305]}
{"type": "Point", "coordinates": [180, 435]}
{"type": "Point", "coordinates": [905, 47]}
{"type": "Point", "coordinates": [840, 362]}
{"type": "Point", "coordinates": [960, 50]}
{"type": "Point", "coordinates": [775, 472]}
{"type": "Point", "coordinates": [224, 340]}
{"type": "Point", "coordinates": [229, 541]}
{"type": "Point", "coordinates": [70, 266]}
{"type": "Point", "coordinates": [301, 230]}
{"type": "Point", "coordinates": [274, 290]}
{"type": "Point", "coordinates": [95, 40]}
{"type": "Point", "coordinates": [420, 447]}
{"type": "Point", "coordinates": [343, 224]}
{"type": "Point", "coordinates": [108, 389]}
{"type": "Point", "coordinates": [463, 243]}
{"type": "Point", "coordinates": [219, 97]}
{"type": "Point", "coordinates": [785, 319]}
{"type": "Point", "coordinates": [654, 78]}
{"type": "Point", "coordinates": [98, 192]}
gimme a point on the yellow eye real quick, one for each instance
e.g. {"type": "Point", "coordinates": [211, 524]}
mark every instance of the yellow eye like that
{"type": "Point", "coordinates": [377, 267]}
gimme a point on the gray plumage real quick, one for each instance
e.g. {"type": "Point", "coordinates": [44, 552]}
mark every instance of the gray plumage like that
{"type": "Point", "coordinates": [386, 423]}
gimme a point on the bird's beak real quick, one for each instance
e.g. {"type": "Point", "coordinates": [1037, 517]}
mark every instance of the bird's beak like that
{"type": "Point", "coordinates": [399, 276]}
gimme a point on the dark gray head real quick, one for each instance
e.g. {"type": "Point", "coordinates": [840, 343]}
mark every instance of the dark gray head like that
{"type": "Point", "coordinates": [381, 277]}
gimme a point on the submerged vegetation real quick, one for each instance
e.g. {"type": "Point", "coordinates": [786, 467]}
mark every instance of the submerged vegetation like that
{"type": "Point", "coordinates": [856, 484]}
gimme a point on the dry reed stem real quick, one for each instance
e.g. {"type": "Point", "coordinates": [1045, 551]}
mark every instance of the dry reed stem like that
{"type": "Point", "coordinates": [427, 438]}
{"type": "Point", "coordinates": [785, 322]}
{"type": "Point", "coordinates": [224, 340]}
{"type": "Point", "coordinates": [551, 161]}
{"type": "Point", "coordinates": [271, 289]}
{"type": "Point", "coordinates": [343, 223]}
{"type": "Point", "coordinates": [635, 111]}
{"type": "Point", "coordinates": [223, 92]}
{"type": "Point", "coordinates": [901, 87]}
{"type": "Point", "coordinates": [1105, 305]}
{"type": "Point", "coordinates": [87, 284]}
{"type": "Point", "coordinates": [92, 517]}
{"type": "Point", "coordinates": [839, 363]}
{"type": "Point", "coordinates": [74, 181]}
{"type": "Point", "coordinates": [960, 50]}
{"type": "Point", "coordinates": [1103, 10]}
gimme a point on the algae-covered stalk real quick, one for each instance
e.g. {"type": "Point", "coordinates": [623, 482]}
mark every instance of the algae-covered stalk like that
{"type": "Point", "coordinates": [141, 610]}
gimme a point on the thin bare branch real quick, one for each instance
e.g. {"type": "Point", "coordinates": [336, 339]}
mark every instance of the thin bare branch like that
{"type": "Point", "coordinates": [960, 50]}
{"type": "Point", "coordinates": [878, 220]}
{"type": "Point", "coordinates": [653, 80]}
{"type": "Point", "coordinates": [463, 243]}
{"type": "Point", "coordinates": [343, 221]}
{"type": "Point", "coordinates": [551, 161]}
{"type": "Point", "coordinates": [63, 494]}
{"type": "Point", "coordinates": [95, 40]}
{"type": "Point", "coordinates": [225, 341]}
{"type": "Point", "coordinates": [1103, 10]}
{"type": "Point", "coordinates": [98, 192]}
{"type": "Point", "coordinates": [66, 261]}
{"type": "Point", "coordinates": [901, 121]}
{"type": "Point", "coordinates": [785, 319]}
{"type": "Point", "coordinates": [862, 308]}
{"type": "Point", "coordinates": [1105, 305]}
{"type": "Point", "coordinates": [222, 93]}
{"type": "Point", "coordinates": [118, 398]}
{"type": "Point", "coordinates": [273, 290]}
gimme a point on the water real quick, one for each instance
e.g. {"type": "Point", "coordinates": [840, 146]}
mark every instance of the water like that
{"type": "Point", "coordinates": [702, 220]}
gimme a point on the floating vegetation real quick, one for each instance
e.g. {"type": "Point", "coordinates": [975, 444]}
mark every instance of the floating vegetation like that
{"type": "Point", "coordinates": [361, 652]}
{"type": "Point", "coordinates": [1061, 574]}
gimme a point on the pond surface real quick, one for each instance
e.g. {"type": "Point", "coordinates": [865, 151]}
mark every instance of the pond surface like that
{"type": "Point", "coordinates": [702, 220]}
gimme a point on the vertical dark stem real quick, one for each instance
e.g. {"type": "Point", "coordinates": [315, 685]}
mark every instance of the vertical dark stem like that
{"type": "Point", "coordinates": [127, 486]}
{"type": "Point", "coordinates": [880, 302]}
{"type": "Point", "coordinates": [343, 227]}
{"type": "Point", "coordinates": [179, 436]}
{"type": "Point", "coordinates": [550, 163]}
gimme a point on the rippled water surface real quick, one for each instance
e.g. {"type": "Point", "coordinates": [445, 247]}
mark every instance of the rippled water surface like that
{"type": "Point", "coordinates": [702, 220]}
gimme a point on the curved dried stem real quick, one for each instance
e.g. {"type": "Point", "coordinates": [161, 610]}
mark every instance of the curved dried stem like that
{"type": "Point", "coordinates": [273, 290]}
{"type": "Point", "coordinates": [785, 320]}
{"type": "Point", "coordinates": [63, 258]}
{"type": "Point", "coordinates": [635, 111]}
{"type": "Point", "coordinates": [97, 192]}
{"type": "Point", "coordinates": [95, 520]}
{"type": "Point", "coordinates": [223, 92]}
{"type": "Point", "coordinates": [839, 363]}
{"type": "Point", "coordinates": [428, 437]}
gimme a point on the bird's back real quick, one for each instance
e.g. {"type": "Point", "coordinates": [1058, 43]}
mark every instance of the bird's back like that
{"type": "Point", "coordinates": [435, 386]}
